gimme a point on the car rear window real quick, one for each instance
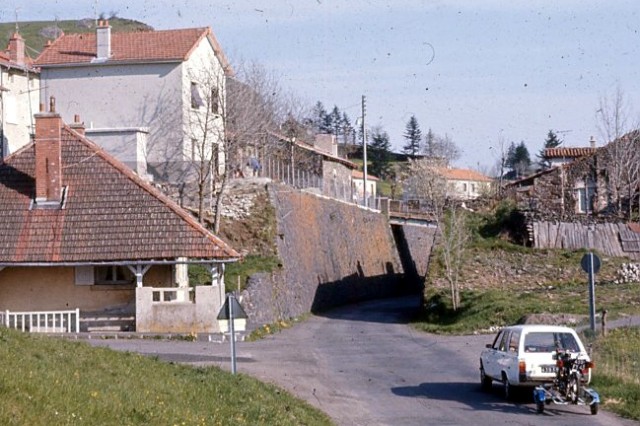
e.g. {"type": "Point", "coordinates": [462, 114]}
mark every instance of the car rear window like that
{"type": "Point", "coordinates": [549, 341]}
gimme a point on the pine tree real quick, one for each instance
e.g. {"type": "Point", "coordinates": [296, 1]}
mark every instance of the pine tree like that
{"type": "Point", "coordinates": [413, 136]}
{"type": "Point", "coordinates": [552, 141]}
{"type": "Point", "coordinates": [335, 121]}
{"type": "Point", "coordinates": [518, 159]}
{"type": "Point", "coordinates": [379, 153]}
{"type": "Point", "coordinates": [319, 118]}
{"type": "Point", "coordinates": [348, 132]}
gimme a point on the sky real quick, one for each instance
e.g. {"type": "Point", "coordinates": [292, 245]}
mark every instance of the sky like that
{"type": "Point", "coordinates": [484, 72]}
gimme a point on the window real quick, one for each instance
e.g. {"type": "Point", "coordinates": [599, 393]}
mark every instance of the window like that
{"type": "Point", "coordinates": [514, 342]}
{"type": "Point", "coordinates": [194, 148]}
{"type": "Point", "coordinates": [549, 342]}
{"type": "Point", "coordinates": [113, 274]}
{"type": "Point", "coordinates": [196, 99]}
{"type": "Point", "coordinates": [215, 105]}
{"type": "Point", "coordinates": [585, 197]}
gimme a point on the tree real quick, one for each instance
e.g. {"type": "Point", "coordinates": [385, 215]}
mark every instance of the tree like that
{"type": "Point", "coordinates": [552, 141]}
{"type": "Point", "coordinates": [454, 241]}
{"type": "Point", "coordinates": [334, 122]}
{"type": "Point", "coordinates": [238, 110]}
{"type": "Point", "coordinates": [518, 159]}
{"type": "Point", "coordinates": [426, 183]}
{"type": "Point", "coordinates": [348, 132]}
{"type": "Point", "coordinates": [379, 153]}
{"type": "Point", "coordinates": [439, 148]}
{"type": "Point", "coordinates": [622, 156]}
{"type": "Point", "coordinates": [413, 136]}
{"type": "Point", "coordinates": [320, 119]}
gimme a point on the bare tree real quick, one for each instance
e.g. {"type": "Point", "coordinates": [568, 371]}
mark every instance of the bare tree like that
{"type": "Point", "coordinates": [426, 183]}
{"type": "Point", "coordinates": [455, 237]}
{"type": "Point", "coordinates": [241, 110]}
{"type": "Point", "coordinates": [621, 152]}
{"type": "Point", "coordinates": [441, 147]}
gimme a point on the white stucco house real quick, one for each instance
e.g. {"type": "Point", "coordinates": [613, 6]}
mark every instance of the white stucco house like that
{"type": "Point", "coordinates": [464, 184]}
{"type": "Point", "coordinates": [19, 96]}
{"type": "Point", "coordinates": [144, 96]}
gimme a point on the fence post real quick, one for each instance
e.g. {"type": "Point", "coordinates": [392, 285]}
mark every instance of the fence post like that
{"type": "Point", "coordinates": [604, 323]}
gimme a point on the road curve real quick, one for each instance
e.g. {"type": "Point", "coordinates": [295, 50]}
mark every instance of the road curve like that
{"type": "Point", "coordinates": [363, 365]}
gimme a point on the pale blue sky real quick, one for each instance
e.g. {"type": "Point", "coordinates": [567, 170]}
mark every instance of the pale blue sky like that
{"type": "Point", "coordinates": [479, 71]}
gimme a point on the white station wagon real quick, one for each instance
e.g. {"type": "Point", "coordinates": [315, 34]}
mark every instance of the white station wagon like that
{"type": "Point", "coordinates": [524, 355]}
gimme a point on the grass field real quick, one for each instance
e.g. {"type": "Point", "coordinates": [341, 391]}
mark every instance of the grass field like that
{"type": "Point", "coordinates": [46, 381]}
{"type": "Point", "coordinates": [616, 376]}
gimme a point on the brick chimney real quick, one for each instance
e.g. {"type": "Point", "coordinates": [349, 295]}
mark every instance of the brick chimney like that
{"type": "Point", "coordinates": [48, 156]}
{"type": "Point", "coordinates": [103, 40]}
{"type": "Point", "coordinates": [16, 49]}
{"type": "Point", "coordinates": [77, 125]}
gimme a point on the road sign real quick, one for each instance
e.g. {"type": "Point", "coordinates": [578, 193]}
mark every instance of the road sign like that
{"type": "Point", "coordinates": [590, 262]}
{"type": "Point", "coordinates": [237, 311]}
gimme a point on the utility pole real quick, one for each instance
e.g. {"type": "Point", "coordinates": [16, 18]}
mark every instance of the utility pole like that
{"type": "Point", "coordinates": [364, 151]}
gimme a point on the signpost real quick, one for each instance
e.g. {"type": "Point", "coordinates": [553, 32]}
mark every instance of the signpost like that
{"type": "Point", "coordinates": [231, 310]}
{"type": "Point", "coordinates": [591, 265]}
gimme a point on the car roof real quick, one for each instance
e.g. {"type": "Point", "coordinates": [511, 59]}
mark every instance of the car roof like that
{"type": "Point", "coordinates": [539, 327]}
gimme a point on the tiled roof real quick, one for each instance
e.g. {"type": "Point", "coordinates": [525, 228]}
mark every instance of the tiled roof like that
{"type": "Point", "coordinates": [462, 174]}
{"type": "Point", "coordinates": [568, 152]}
{"type": "Point", "coordinates": [5, 60]}
{"type": "Point", "coordinates": [143, 46]}
{"type": "Point", "coordinates": [357, 174]}
{"type": "Point", "coordinates": [110, 214]}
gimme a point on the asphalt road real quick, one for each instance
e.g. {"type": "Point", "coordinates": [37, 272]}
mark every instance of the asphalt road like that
{"type": "Point", "coordinates": [363, 365]}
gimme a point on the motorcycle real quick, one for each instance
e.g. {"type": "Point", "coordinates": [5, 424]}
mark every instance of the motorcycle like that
{"type": "Point", "coordinates": [569, 385]}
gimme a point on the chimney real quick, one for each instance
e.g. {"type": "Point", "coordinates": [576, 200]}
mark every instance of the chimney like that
{"type": "Point", "coordinates": [592, 142]}
{"type": "Point", "coordinates": [103, 40]}
{"type": "Point", "coordinates": [77, 125]}
{"type": "Point", "coordinates": [16, 49]}
{"type": "Point", "coordinates": [48, 170]}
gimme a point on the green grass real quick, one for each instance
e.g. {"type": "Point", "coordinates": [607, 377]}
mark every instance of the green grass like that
{"type": "Point", "coordinates": [200, 274]}
{"type": "Point", "coordinates": [616, 376]}
{"type": "Point", "coordinates": [36, 38]}
{"type": "Point", "coordinates": [50, 381]}
{"type": "Point", "coordinates": [481, 310]}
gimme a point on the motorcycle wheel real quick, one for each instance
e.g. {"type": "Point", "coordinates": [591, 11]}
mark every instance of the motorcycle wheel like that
{"type": "Point", "coordinates": [574, 388]}
{"type": "Point", "coordinates": [594, 408]}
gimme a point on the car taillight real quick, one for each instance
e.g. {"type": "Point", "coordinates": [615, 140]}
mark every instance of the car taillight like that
{"type": "Point", "coordinates": [590, 364]}
{"type": "Point", "coordinates": [522, 367]}
{"type": "Point", "coordinates": [559, 363]}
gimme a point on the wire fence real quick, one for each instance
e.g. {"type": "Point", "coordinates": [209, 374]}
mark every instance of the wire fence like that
{"type": "Point", "coordinates": [618, 355]}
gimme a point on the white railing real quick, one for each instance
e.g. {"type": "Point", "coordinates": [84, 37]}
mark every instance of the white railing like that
{"type": "Point", "coordinates": [43, 321]}
{"type": "Point", "coordinates": [173, 294]}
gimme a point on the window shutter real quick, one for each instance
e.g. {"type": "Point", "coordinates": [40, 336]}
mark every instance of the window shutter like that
{"type": "Point", "coordinates": [84, 275]}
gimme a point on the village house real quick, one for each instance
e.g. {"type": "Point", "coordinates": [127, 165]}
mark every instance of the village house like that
{"type": "Point", "coordinates": [82, 234]}
{"type": "Point", "coordinates": [307, 166]}
{"type": "Point", "coordinates": [564, 155]}
{"type": "Point", "coordinates": [145, 96]}
{"type": "Point", "coordinates": [464, 184]}
{"type": "Point", "coordinates": [586, 203]}
{"type": "Point", "coordinates": [19, 96]}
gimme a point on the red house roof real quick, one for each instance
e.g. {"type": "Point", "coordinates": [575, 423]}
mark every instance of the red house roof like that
{"type": "Point", "coordinates": [130, 47]}
{"type": "Point", "coordinates": [109, 214]}
{"type": "Point", "coordinates": [462, 174]}
{"type": "Point", "coordinates": [568, 152]}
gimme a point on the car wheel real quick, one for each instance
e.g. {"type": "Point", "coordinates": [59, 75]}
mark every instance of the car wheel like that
{"type": "Point", "coordinates": [485, 381]}
{"type": "Point", "coordinates": [506, 387]}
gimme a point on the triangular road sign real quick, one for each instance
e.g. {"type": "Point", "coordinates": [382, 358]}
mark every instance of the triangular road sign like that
{"type": "Point", "coordinates": [238, 312]}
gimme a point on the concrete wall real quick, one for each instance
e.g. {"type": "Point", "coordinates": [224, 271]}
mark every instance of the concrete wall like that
{"type": "Point", "coordinates": [333, 253]}
{"type": "Point", "coordinates": [128, 145]}
{"type": "Point", "coordinates": [179, 317]}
